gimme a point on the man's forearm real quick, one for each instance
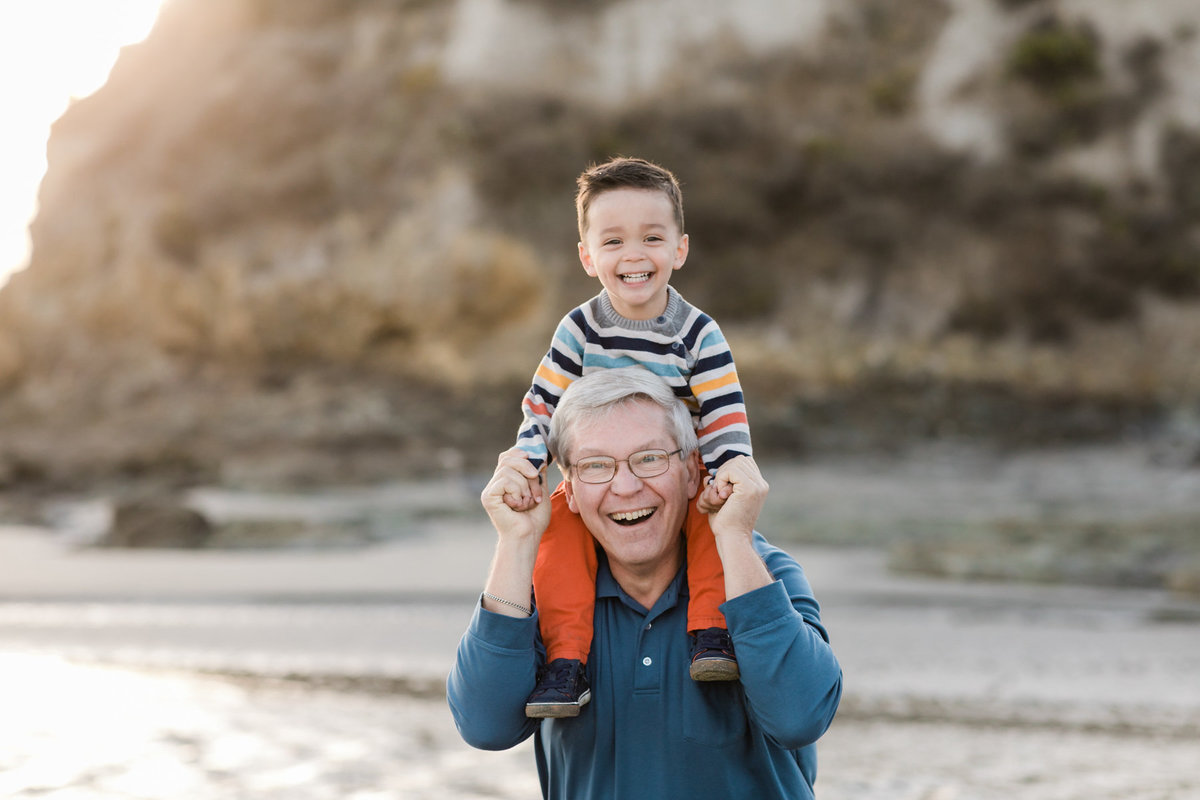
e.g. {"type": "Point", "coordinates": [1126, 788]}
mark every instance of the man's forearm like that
{"type": "Point", "coordinates": [744, 568]}
{"type": "Point", "coordinates": [511, 578]}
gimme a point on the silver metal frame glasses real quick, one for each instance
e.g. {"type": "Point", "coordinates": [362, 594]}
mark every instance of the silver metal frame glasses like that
{"type": "Point", "coordinates": [643, 464]}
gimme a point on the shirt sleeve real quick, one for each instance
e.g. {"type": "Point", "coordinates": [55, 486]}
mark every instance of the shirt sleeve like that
{"type": "Point", "coordinates": [791, 679]}
{"type": "Point", "coordinates": [559, 368]}
{"type": "Point", "coordinates": [723, 430]}
{"type": "Point", "coordinates": [494, 672]}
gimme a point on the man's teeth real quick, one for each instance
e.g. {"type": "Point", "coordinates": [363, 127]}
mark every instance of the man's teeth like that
{"type": "Point", "coordinates": [636, 277]}
{"type": "Point", "coordinates": [631, 516]}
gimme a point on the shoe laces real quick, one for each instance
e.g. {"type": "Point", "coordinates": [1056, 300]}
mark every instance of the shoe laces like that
{"type": "Point", "coordinates": [560, 673]}
{"type": "Point", "coordinates": [713, 639]}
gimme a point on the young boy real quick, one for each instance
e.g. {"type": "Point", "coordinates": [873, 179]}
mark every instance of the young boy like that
{"type": "Point", "coordinates": [631, 233]}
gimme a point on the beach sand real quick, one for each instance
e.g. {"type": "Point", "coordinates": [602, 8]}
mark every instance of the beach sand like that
{"type": "Point", "coordinates": [312, 674]}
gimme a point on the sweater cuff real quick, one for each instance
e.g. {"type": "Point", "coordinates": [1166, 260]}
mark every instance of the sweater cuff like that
{"type": "Point", "coordinates": [757, 608]}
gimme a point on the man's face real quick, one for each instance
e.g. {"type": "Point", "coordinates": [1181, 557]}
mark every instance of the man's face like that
{"type": "Point", "coordinates": [636, 520]}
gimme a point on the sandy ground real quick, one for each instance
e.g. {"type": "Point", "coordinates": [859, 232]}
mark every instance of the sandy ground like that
{"type": "Point", "coordinates": [130, 675]}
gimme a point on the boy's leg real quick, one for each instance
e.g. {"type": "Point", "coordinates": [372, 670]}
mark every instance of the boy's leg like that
{"type": "Point", "coordinates": [713, 657]}
{"type": "Point", "coordinates": [706, 574]}
{"type": "Point", "coordinates": [564, 583]}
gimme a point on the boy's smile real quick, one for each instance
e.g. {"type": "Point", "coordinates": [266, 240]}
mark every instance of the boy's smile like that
{"type": "Point", "coordinates": [633, 245]}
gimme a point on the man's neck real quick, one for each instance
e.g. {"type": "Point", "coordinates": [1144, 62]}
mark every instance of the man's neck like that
{"type": "Point", "coordinates": [646, 583]}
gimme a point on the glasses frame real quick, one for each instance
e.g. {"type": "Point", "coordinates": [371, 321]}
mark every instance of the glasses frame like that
{"type": "Point", "coordinates": [628, 461]}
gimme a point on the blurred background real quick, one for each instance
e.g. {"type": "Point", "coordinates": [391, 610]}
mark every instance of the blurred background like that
{"type": "Point", "coordinates": [293, 263]}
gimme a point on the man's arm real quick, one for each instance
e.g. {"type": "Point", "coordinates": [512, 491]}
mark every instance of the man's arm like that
{"type": "Point", "coordinates": [495, 667]}
{"type": "Point", "coordinates": [792, 680]}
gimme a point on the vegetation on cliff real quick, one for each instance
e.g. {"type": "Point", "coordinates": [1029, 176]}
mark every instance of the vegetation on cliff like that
{"type": "Point", "coordinates": [344, 231]}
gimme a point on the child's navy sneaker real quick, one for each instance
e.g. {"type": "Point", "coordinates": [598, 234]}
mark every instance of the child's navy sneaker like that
{"type": "Point", "coordinates": [712, 656]}
{"type": "Point", "coordinates": [562, 690]}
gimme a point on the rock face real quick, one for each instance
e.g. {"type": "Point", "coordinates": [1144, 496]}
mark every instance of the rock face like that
{"type": "Point", "coordinates": [157, 523]}
{"type": "Point", "coordinates": [290, 241]}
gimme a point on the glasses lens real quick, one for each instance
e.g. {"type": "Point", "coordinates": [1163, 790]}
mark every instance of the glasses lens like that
{"type": "Point", "coordinates": [649, 463]}
{"type": "Point", "coordinates": [596, 470]}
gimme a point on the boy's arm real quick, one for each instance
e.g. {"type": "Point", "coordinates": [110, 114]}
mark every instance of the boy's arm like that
{"type": "Point", "coordinates": [724, 431]}
{"type": "Point", "coordinates": [559, 368]}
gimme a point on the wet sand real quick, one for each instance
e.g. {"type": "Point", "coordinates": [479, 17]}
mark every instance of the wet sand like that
{"type": "Point", "coordinates": [74, 732]}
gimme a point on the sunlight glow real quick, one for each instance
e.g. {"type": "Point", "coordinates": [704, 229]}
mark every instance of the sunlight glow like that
{"type": "Point", "coordinates": [50, 52]}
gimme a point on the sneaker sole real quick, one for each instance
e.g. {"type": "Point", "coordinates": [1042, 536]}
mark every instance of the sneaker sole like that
{"type": "Point", "coordinates": [714, 669]}
{"type": "Point", "coordinates": [557, 710]}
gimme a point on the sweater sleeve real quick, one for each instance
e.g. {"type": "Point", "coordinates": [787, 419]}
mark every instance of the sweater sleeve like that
{"type": "Point", "coordinates": [792, 681]}
{"type": "Point", "coordinates": [559, 368]}
{"type": "Point", "coordinates": [723, 429]}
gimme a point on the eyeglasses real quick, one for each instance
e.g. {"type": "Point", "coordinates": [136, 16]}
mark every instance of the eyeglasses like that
{"type": "Point", "coordinates": [643, 464]}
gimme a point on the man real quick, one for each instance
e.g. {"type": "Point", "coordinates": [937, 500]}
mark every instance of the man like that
{"type": "Point", "coordinates": [628, 451]}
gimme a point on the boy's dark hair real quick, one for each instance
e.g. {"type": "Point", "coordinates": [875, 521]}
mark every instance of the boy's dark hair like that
{"type": "Point", "coordinates": [625, 173]}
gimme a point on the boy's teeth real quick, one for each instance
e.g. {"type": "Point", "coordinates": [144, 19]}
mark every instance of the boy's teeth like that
{"type": "Point", "coordinates": [630, 516]}
{"type": "Point", "coordinates": [636, 276]}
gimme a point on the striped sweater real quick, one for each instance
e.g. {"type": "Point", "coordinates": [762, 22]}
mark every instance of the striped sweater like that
{"type": "Point", "coordinates": [684, 346]}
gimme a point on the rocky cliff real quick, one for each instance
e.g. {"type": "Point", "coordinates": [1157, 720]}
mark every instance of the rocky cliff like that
{"type": "Point", "coordinates": [312, 240]}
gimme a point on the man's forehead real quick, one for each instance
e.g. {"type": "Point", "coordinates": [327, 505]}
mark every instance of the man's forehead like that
{"type": "Point", "coordinates": [632, 426]}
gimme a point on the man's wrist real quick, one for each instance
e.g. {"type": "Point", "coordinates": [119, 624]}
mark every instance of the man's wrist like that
{"type": "Point", "coordinates": [526, 610]}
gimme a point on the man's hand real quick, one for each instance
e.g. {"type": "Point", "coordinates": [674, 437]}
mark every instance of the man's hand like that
{"type": "Point", "coordinates": [733, 526]}
{"type": "Point", "coordinates": [515, 498]}
{"type": "Point", "coordinates": [741, 490]}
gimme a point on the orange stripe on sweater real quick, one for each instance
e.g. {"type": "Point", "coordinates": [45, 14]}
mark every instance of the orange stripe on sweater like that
{"type": "Point", "coordinates": [724, 422]}
{"type": "Point", "coordinates": [537, 409]}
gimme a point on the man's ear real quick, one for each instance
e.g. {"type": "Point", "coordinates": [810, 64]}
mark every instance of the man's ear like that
{"type": "Point", "coordinates": [585, 258]}
{"type": "Point", "coordinates": [694, 471]}
{"type": "Point", "coordinates": [569, 493]}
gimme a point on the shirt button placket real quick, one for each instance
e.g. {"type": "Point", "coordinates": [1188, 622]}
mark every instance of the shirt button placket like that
{"type": "Point", "coordinates": [647, 676]}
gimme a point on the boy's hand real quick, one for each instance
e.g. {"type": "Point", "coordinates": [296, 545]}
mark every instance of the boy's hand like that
{"type": "Point", "coordinates": [716, 489]}
{"type": "Point", "coordinates": [513, 476]}
{"type": "Point", "coordinates": [527, 496]}
{"type": "Point", "coordinates": [743, 490]}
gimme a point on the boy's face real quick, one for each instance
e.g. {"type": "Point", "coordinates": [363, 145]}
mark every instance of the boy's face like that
{"type": "Point", "coordinates": [633, 245]}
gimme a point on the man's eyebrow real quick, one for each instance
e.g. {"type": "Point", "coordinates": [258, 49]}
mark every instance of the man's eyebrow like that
{"type": "Point", "coordinates": [640, 448]}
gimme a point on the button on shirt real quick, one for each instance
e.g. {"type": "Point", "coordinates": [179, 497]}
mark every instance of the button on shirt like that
{"type": "Point", "coordinates": [649, 730]}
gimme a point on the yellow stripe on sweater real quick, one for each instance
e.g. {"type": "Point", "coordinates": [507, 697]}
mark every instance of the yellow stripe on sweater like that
{"type": "Point", "coordinates": [549, 376]}
{"type": "Point", "coordinates": [714, 384]}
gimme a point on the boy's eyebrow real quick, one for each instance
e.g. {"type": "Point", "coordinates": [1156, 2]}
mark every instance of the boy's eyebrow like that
{"type": "Point", "coordinates": [618, 229]}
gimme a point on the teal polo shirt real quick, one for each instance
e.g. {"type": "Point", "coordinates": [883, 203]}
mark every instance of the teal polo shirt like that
{"type": "Point", "coordinates": [649, 730]}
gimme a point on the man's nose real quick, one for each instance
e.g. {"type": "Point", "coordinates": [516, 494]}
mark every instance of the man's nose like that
{"type": "Point", "coordinates": [624, 481]}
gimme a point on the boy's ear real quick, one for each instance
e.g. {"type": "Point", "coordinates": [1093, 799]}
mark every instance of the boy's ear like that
{"type": "Point", "coordinates": [585, 258]}
{"type": "Point", "coordinates": [681, 252]}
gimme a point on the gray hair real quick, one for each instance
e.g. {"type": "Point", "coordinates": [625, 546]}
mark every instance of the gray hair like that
{"type": "Point", "coordinates": [595, 395]}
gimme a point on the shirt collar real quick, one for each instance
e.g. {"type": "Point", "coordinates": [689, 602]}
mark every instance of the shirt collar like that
{"type": "Point", "coordinates": [607, 586]}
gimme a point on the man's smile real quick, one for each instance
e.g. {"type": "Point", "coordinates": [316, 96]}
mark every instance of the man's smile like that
{"type": "Point", "coordinates": [632, 517]}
